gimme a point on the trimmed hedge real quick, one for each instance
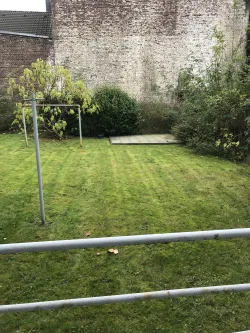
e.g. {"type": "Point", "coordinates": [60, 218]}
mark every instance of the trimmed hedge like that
{"type": "Point", "coordinates": [118, 112]}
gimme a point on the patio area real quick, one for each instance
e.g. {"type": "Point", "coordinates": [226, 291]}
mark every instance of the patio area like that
{"type": "Point", "coordinates": [149, 139]}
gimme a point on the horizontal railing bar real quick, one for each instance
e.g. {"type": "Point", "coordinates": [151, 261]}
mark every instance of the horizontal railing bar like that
{"type": "Point", "coordinates": [123, 240]}
{"type": "Point", "coordinates": [122, 298]}
{"type": "Point", "coordinates": [243, 332]}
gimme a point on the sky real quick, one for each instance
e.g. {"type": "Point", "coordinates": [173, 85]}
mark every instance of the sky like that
{"type": "Point", "coordinates": [25, 5]}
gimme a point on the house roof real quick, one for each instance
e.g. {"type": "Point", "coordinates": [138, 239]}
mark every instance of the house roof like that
{"type": "Point", "coordinates": [26, 23]}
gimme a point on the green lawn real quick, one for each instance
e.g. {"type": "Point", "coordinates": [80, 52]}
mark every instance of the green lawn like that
{"type": "Point", "coordinates": [122, 190]}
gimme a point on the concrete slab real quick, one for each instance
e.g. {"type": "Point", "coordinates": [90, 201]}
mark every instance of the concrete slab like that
{"type": "Point", "coordinates": [148, 139]}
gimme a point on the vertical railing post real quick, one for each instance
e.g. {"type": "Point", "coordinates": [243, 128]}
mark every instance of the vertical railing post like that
{"type": "Point", "coordinates": [24, 127]}
{"type": "Point", "coordinates": [80, 125]}
{"type": "Point", "coordinates": [38, 162]}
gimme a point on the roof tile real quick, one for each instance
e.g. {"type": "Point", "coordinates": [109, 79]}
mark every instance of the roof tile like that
{"type": "Point", "coordinates": [34, 23]}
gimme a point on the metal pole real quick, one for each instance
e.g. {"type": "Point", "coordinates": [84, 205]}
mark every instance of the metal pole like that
{"type": "Point", "coordinates": [66, 105]}
{"type": "Point", "coordinates": [38, 162]}
{"type": "Point", "coordinates": [123, 298]}
{"type": "Point", "coordinates": [24, 126]}
{"type": "Point", "coordinates": [124, 240]}
{"type": "Point", "coordinates": [80, 125]}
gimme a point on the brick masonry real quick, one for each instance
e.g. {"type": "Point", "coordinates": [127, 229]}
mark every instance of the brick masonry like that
{"type": "Point", "coordinates": [21, 51]}
{"type": "Point", "coordinates": [139, 45]}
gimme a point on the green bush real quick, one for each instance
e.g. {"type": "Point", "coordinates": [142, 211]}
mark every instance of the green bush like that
{"type": "Point", "coordinates": [118, 112]}
{"type": "Point", "coordinates": [215, 106]}
{"type": "Point", "coordinates": [156, 118]}
{"type": "Point", "coordinates": [55, 85]}
{"type": "Point", "coordinates": [90, 124]}
{"type": "Point", "coordinates": [6, 111]}
{"type": "Point", "coordinates": [215, 110]}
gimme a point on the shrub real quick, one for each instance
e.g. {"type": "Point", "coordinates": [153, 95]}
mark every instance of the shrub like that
{"type": "Point", "coordinates": [118, 112]}
{"type": "Point", "coordinates": [90, 124]}
{"type": "Point", "coordinates": [156, 118]}
{"type": "Point", "coordinates": [6, 111]}
{"type": "Point", "coordinates": [214, 111]}
{"type": "Point", "coordinates": [215, 106]}
{"type": "Point", "coordinates": [55, 85]}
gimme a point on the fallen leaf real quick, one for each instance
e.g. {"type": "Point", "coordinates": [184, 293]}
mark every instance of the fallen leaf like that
{"type": "Point", "coordinates": [88, 234]}
{"type": "Point", "coordinates": [115, 251]}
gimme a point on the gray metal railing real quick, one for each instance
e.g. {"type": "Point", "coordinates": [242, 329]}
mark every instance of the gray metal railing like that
{"type": "Point", "coordinates": [124, 240]}
{"type": "Point", "coordinates": [121, 241]}
{"type": "Point", "coordinates": [51, 305]}
{"type": "Point", "coordinates": [34, 106]}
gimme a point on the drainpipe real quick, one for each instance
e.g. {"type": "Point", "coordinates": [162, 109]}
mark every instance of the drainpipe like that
{"type": "Point", "coordinates": [48, 5]}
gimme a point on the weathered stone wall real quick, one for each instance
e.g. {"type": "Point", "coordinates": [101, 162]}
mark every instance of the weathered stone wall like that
{"type": "Point", "coordinates": [16, 51]}
{"type": "Point", "coordinates": [140, 45]}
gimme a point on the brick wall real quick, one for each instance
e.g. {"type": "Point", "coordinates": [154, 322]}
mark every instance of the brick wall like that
{"type": "Point", "coordinates": [140, 45]}
{"type": "Point", "coordinates": [21, 51]}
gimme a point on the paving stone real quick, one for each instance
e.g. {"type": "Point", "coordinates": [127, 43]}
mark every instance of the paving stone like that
{"type": "Point", "coordinates": [154, 139]}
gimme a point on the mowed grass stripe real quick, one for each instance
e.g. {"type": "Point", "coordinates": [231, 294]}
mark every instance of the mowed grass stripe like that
{"type": "Point", "coordinates": [122, 190]}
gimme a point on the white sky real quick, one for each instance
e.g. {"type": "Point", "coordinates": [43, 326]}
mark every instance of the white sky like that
{"type": "Point", "coordinates": [24, 5]}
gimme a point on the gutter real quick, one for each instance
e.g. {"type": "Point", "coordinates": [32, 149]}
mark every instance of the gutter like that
{"type": "Point", "coordinates": [3, 32]}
